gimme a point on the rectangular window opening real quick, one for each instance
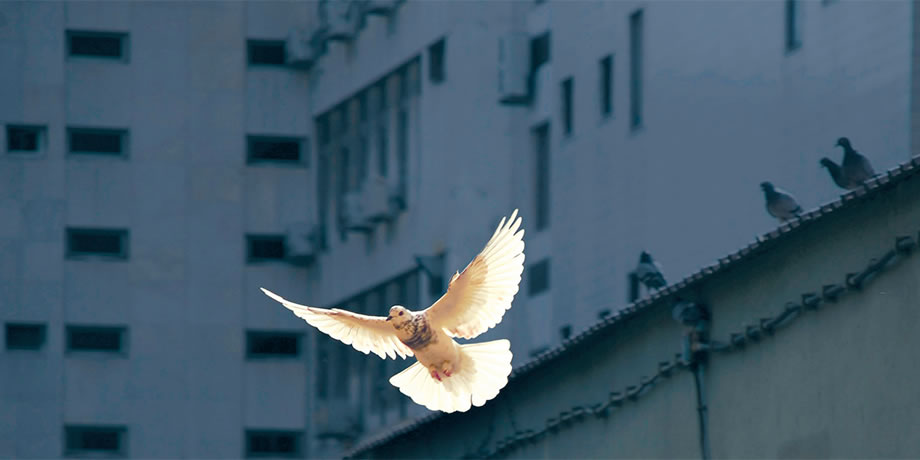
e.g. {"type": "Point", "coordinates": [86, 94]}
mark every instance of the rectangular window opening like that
{"type": "Point", "coordinates": [262, 248]}
{"type": "Point", "coordinates": [606, 85]}
{"type": "Point", "coordinates": [261, 344]}
{"type": "Point", "coordinates": [635, 68]}
{"type": "Point", "coordinates": [24, 139]}
{"type": "Point", "coordinates": [793, 25]}
{"type": "Point", "coordinates": [265, 52]}
{"type": "Point", "coordinates": [95, 338]}
{"type": "Point", "coordinates": [111, 243]}
{"type": "Point", "coordinates": [538, 278]}
{"type": "Point", "coordinates": [24, 336]}
{"type": "Point", "coordinates": [436, 63]}
{"type": "Point", "coordinates": [273, 149]}
{"type": "Point", "coordinates": [106, 45]}
{"type": "Point", "coordinates": [83, 440]}
{"type": "Point", "coordinates": [567, 105]}
{"type": "Point", "coordinates": [541, 175]}
{"type": "Point", "coordinates": [272, 443]}
{"type": "Point", "coordinates": [86, 141]}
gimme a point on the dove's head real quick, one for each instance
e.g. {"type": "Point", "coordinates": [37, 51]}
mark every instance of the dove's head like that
{"type": "Point", "coordinates": [645, 258]}
{"type": "Point", "coordinates": [399, 315]}
{"type": "Point", "coordinates": [843, 142]}
{"type": "Point", "coordinates": [827, 163]}
{"type": "Point", "coordinates": [767, 187]}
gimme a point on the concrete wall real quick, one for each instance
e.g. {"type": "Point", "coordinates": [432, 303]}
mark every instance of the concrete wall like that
{"type": "Point", "coordinates": [835, 383]}
{"type": "Point", "coordinates": [188, 198]}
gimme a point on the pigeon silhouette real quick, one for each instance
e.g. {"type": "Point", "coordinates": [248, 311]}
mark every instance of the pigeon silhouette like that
{"type": "Point", "coordinates": [855, 167]}
{"type": "Point", "coordinates": [837, 174]}
{"type": "Point", "coordinates": [649, 272]}
{"type": "Point", "coordinates": [780, 203]}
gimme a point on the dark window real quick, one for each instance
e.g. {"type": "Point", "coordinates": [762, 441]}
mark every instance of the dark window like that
{"type": "Point", "coordinates": [97, 141]}
{"type": "Point", "coordinates": [24, 336]}
{"type": "Point", "coordinates": [266, 148]}
{"type": "Point", "coordinates": [436, 62]}
{"type": "Point", "coordinates": [793, 25]}
{"type": "Point", "coordinates": [98, 242]}
{"type": "Point", "coordinates": [635, 69]}
{"type": "Point", "coordinates": [96, 44]}
{"type": "Point", "coordinates": [24, 138]}
{"type": "Point", "coordinates": [402, 155]}
{"type": "Point", "coordinates": [606, 85]}
{"type": "Point", "coordinates": [322, 128]}
{"type": "Point", "coordinates": [538, 277]}
{"type": "Point", "coordinates": [95, 338]}
{"type": "Point", "coordinates": [271, 443]}
{"type": "Point", "coordinates": [264, 247]}
{"type": "Point", "coordinates": [268, 344]}
{"type": "Point", "coordinates": [265, 52]}
{"type": "Point", "coordinates": [83, 439]}
{"type": "Point", "coordinates": [383, 150]}
{"type": "Point", "coordinates": [541, 175]}
{"type": "Point", "coordinates": [568, 88]}
{"type": "Point", "coordinates": [539, 51]}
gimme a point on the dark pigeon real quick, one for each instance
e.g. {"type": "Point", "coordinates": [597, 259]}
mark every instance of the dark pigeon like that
{"type": "Point", "coordinates": [649, 272]}
{"type": "Point", "coordinates": [836, 174]}
{"type": "Point", "coordinates": [855, 167]}
{"type": "Point", "coordinates": [780, 203]}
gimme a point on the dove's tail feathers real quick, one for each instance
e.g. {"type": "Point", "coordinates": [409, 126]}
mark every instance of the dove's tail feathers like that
{"type": "Point", "coordinates": [482, 373]}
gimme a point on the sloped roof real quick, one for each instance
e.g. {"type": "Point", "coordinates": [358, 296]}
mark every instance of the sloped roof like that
{"type": "Point", "coordinates": [874, 187]}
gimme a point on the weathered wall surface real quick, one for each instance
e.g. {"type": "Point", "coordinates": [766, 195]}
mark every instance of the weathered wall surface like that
{"type": "Point", "coordinates": [836, 382]}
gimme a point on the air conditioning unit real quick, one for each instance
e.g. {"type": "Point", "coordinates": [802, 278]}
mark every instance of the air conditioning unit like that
{"type": "Point", "coordinates": [299, 50]}
{"type": "Point", "coordinates": [380, 7]}
{"type": "Point", "coordinates": [513, 62]}
{"type": "Point", "coordinates": [376, 197]}
{"type": "Point", "coordinates": [300, 243]}
{"type": "Point", "coordinates": [337, 419]}
{"type": "Point", "coordinates": [354, 213]}
{"type": "Point", "coordinates": [543, 100]}
{"type": "Point", "coordinates": [339, 18]}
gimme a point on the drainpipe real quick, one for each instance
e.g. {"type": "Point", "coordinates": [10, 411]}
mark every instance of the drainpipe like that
{"type": "Point", "coordinates": [695, 319]}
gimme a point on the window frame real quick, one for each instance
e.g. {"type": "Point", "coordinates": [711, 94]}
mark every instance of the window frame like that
{"type": "Point", "coordinates": [265, 42]}
{"type": "Point", "coordinates": [247, 443]}
{"type": "Point", "coordinates": [41, 141]}
{"type": "Point", "coordinates": [253, 237]}
{"type": "Point", "coordinates": [123, 140]}
{"type": "Point", "coordinates": [792, 20]}
{"type": "Point", "coordinates": [121, 430]}
{"type": "Point", "coordinates": [606, 82]}
{"type": "Point", "coordinates": [252, 334]}
{"type": "Point", "coordinates": [122, 332]}
{"type": "Point", "coordinates": [437, 62]}
{"type": "Point", "coordinates": [303, 149]}
{"type": "Point", "coordinates": [636, 67]}
{"type": "Point", "coordinates": [567, 106]}
{"type": "Point", "coordinates": [123, 234]}
{"type": "Point", "coordinates": [542, 265]}
{"type": "Point", "coordinates": [42, 333]}
{"type": "Point", "coordinates": [123, 42]}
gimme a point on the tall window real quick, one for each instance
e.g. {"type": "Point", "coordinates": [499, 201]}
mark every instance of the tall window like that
{"type": "Point", "coordinates": [436, 62]}
{"type": "Point", "coordinates": [635, 69]}
{"type": "Point", "coordinates": [541, 176]}
{"type": "Point", "coordinates": [793, 25]}
{"type": "Point", "coordinates": [606, 85]}
{"type": "Point", "coordinates": [567, 95]}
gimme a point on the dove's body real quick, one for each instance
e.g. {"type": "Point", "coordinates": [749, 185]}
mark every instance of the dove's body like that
{"type": "Point", "coordinates": [780, 203]}
{"type": "Point", "coordinates": [448, 376]}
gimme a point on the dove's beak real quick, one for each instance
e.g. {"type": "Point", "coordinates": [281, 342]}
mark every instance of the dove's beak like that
{"type": "Point", "coordinates": [389, 318]}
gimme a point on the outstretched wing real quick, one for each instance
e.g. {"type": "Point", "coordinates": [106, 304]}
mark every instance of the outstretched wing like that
{"type": "Point", "coordinates": [367, 334]}
{"type": "Point", "coordinates": [477, 299]}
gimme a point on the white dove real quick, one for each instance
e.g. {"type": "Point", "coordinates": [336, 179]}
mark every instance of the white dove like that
{"type": "Point", "coordinates": [448, 376]}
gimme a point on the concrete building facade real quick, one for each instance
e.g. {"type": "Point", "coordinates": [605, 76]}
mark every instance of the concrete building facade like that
{"type": "Point", "coordinates": [614, 127]}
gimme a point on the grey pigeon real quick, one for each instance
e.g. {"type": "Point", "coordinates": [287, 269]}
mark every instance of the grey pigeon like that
{"type": "Point", "coordinates": [780, 203]}
{"type": "Point", "coordinates": [855, 168]}
{"type": "Point", "coordinates": [649, 272]}
{"type": "Point", "coordinates": [837, 174]}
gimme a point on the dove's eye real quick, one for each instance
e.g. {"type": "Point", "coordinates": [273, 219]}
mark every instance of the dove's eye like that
{"type": "Point", "coordinates": [400, 313]}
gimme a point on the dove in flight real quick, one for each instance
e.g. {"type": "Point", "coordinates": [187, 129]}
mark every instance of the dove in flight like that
{"type": "Point", "coordinates": [649, 272]}
{"type": "Point", "coordinates": [780, 203]}
{"type": "Point", "coordinates": [447, 376]}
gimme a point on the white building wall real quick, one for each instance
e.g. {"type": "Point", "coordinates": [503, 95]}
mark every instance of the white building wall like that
{"type": "Point", "coordinates": [188, 197]}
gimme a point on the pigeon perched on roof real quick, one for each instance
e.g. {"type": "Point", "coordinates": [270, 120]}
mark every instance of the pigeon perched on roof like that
{"type": "Point", "coordinates": [836, 174]}
{"type": "Point", "coordinates": [649, 272]}
{"type": "Point", "coordinates": [780, 203]}
{"type": "Point", "coordinates": [447, 376]}
{"type": "Point", "coordinates": [855, 168]}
